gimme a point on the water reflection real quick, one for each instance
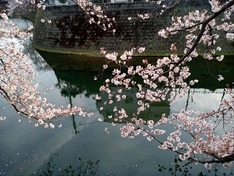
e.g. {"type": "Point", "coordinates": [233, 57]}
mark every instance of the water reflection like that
{"type": "Point", "coordinates": [22, 144]}
{"type": "Point", "coordinates": [178, 167]}
{"type": "Point", "coordinates": [73, 83]}
{"type": "Point", "coordinates": [79, 167]}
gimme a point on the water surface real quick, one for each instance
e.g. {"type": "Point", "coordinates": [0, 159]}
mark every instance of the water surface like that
{"type": "Point", "coordinates": [88, 146]}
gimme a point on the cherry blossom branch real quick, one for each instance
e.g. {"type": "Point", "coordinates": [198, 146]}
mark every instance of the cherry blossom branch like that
{"type": "Point", "coordinates": [167, 145]}
{"type": "Point", "coordinates": [191, 49]}
{"type": "Point", "coordinates": [4, 67]}
{"type": "Point", "coordinates": [17, 85]}
{"type": "Point", "coordinates": [7, 97]}
{"type": "Point", "coordinates": [203, 28]}
{"type": "Point", "coordinates": [206, 21]}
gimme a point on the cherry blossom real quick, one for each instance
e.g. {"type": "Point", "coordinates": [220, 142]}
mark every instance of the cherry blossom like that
{"type": "Point", "coordinates": [17, 85]}
{"type": "Point", "coordinates": [211, 137]}
{"type": "Point", "coordinates": [166, 80]}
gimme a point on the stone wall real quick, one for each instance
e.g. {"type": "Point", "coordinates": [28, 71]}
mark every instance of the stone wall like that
{"type": "Point", "coordinates": [70, 30]}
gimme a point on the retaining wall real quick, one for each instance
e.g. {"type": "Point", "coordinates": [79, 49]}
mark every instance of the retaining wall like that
{"type": "Point", "coordinates": [70, 30]}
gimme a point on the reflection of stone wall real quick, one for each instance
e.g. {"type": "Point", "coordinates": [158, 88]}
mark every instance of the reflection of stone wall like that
{"type": "Point", "coordinates": [71, 31]}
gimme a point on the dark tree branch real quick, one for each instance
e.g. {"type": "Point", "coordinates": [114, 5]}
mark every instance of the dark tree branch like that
{"type": "Point", "coordinates": [7, 97]}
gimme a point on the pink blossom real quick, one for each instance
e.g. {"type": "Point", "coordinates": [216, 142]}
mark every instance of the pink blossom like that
{"type": "Point", "coordinates": [163, 33]}
{"type": "Point", "coordinates": [230, 36]}
{"type": "Point", "coordinates": [141, 49]}
{"type": "Point", "coordinates": [112, 56]}
{"type": "Point", "coordinates": [126, 130]}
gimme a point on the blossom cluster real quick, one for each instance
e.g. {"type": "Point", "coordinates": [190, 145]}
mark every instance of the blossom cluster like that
{"type": "Point", "coordinates": [203, 27]}
{"type": "Point", "coordinates": [160, 81]}
{"type": "Point", "coordinates": [96, 15]}
{"type": "Point", "coordinates": [208, 137]}
{"type": "Point", "coordinates": [157, 80]}
{"type": "Point", "coordinates": [211, 134]}
{"type": "Point", "coordinates": [17, 83]}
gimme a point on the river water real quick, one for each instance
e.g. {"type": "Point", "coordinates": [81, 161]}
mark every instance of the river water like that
{"type": "Point", "coordinates": [88, 146]}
